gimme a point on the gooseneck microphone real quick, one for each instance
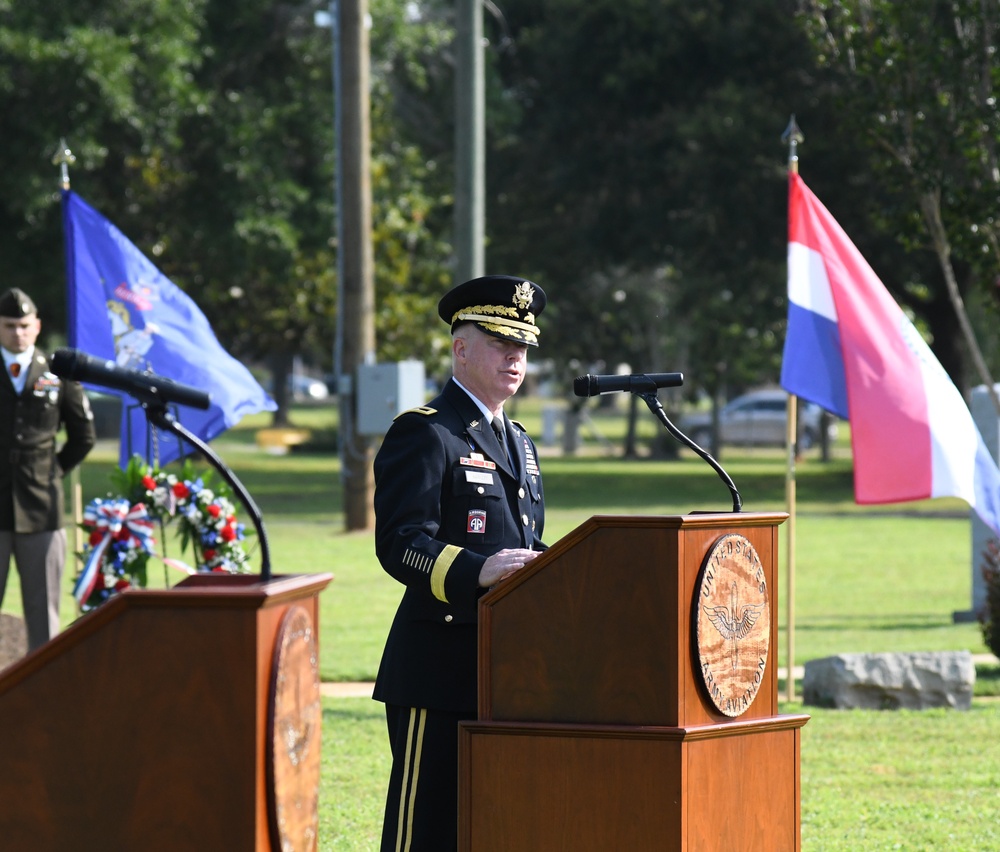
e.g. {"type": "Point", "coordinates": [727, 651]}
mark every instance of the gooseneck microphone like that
{"type": "Point", "coordinates": [144, 386]}
{"type": "Point", "coordinates": [645, 386]}
{"type": "Point", "coordinates": [636, 383]}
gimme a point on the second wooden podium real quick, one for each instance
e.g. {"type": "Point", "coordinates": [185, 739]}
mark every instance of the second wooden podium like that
{"type": "Point", "coordinates": [628, 695]}
{"type": "Point", "coordinates": [181, 719]}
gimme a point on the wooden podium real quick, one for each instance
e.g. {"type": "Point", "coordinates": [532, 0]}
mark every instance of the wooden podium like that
{"type": "Point", "coordinates": [628, 695]}
{"type": "Point", "coordinates": [167, 720]}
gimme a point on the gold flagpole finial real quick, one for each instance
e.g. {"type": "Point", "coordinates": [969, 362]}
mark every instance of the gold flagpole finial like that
{"type": "Point", "coordinates": [63, 158]}
{"type": "Point", "coordinates": [793, 136]}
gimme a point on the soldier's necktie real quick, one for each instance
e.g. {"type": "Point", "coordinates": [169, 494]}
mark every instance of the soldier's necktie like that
{"type": "Point", "coordinates": [15, 369]}
{"type": "Point", "coordinates": [497, 424]}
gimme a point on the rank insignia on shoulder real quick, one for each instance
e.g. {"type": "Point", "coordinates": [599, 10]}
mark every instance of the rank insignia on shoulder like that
{"type": "Point", "coordinates": [426, 410]}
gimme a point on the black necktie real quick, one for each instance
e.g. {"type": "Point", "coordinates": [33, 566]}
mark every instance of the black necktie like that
{"type": "Point", "coordinates": [497, 424]}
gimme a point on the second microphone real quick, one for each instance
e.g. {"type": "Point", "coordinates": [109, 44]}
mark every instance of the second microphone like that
{"type": "Point", "coordinates": [636, 383]}
{"type": "Point", "coordinates": [146, 387]}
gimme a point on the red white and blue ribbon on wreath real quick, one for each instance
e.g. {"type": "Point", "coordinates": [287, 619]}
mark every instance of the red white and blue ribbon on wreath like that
{"type": "Point", "coordinates": [110, 521]}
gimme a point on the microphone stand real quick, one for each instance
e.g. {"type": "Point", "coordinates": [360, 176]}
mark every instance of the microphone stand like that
{"type": "Point", "coordinates": [649, 397]}
{"type": "Point", "coordinates": [156, 411]}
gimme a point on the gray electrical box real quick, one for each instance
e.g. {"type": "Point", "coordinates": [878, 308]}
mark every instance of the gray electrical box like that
{"type": "Point", "coordinates": [384, 390]}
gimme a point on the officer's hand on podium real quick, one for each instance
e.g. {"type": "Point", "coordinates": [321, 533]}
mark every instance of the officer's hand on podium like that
{"type": "Point", "coordinates": [501, 565]}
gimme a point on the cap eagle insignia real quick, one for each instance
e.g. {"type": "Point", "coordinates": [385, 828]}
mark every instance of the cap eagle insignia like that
{"type": "Point", "coordinates": [524, 293]}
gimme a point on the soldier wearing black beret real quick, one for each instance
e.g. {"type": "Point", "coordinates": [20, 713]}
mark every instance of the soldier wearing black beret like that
{"type": "Point", "coordinates": [458, 508]}
{"type": "Point", "coordinates": [34, 404]}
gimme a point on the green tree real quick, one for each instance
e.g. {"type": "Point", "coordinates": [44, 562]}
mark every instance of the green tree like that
{"type": "Point", "coordinates": [205, 132]}
{"type": "Point", "coordinates": [266, 147]}
{"type": "Point", "coordinates": [251, 234]}
{"type": "Point", "coordinates": [412, 178]}
{"type": "Point", "coordinates": [918, 82]}
{"type": "Point", "coordinates": [88, 72]}
{"type": "Point", "coordinates": [648, 140]}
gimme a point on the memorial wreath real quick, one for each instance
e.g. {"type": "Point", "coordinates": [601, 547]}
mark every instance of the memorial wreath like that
{"type": "Point", "coordinates": [120, 529]}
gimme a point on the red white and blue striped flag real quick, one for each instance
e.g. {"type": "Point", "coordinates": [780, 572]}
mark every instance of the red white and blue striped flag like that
{"type": "Point", "coordinates": [851, 349]}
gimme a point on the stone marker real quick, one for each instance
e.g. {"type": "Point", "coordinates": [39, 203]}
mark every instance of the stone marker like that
{"type": "Point", "coordinates": [913, 681]}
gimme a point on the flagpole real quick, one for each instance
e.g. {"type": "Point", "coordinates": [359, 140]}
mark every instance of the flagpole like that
{"type": "Point", "coordinates": [793, 136]}
{"type": "Point", "coordinates": [64, 158]}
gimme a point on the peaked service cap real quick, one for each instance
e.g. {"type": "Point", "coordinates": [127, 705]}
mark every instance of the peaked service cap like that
{"type": "Point", "coordinates": [503, 306]}
{"type": "Point", "coordinates": [17, 304]}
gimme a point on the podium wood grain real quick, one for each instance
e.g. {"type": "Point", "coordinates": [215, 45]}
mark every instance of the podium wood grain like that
{"type": "Point", "coordinates": [142, 726]}
{"type": "Point", "coordinates": [546, 788]}
{"type": "Point", "coordinates": [595, 729]}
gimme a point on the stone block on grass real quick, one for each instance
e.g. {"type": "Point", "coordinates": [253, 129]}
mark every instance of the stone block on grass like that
{"type": "Point", "coordinates": [891, 681]}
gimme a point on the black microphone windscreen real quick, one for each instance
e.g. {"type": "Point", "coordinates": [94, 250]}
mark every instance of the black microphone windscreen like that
{"type": "Point", "coordinates": [64, 363]}
{"type": "Point", "coordinates": [144, 386]}
{"type": "Point", "coordinates": [581, 386]}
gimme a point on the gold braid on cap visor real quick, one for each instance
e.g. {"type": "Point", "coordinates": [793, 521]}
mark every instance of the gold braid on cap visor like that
{"type": "Point", "coordinates": [495, 315]}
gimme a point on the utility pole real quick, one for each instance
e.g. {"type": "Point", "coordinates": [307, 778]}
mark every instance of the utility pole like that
{"type": "Point", "coordinates": [470, 141]}
{"type": "Point", "coordinates": [357, 285]}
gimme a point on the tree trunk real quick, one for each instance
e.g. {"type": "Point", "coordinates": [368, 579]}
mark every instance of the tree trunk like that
{"type": "Point", "coordinates": [630, 449]}
{"type": "Point", "coordinates": [930, 205]}
{"type": "Point", "coordinates": [281, 369]}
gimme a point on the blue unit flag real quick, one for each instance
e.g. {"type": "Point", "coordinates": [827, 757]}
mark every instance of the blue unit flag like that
{"type": "Point", "coordinates": [123, 309]}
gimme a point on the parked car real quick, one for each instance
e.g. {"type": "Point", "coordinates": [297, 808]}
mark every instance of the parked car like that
{"type": "Point", "coordinates": [301, 388]}
{"type": "Point", "coordinates": [758, 418]}
{"type": "Point", "coordinates": [307, 388]}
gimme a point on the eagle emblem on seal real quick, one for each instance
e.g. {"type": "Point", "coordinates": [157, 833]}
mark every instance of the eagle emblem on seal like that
{"type": "Point", "coordinates": [734, 622]}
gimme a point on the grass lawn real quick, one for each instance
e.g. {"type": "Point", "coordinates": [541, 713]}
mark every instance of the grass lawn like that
{"type": "Point", "coordinates": [885, 578]}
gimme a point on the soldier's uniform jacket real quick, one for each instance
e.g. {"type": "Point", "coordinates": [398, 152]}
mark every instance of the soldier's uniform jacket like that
{"type": "Point", "coordinates": [446, 499]}
{"type": "Point", "coordinates": [31, 471]}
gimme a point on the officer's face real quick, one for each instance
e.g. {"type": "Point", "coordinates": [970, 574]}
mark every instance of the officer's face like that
{"type": "Point", "coordinates": [491, 368]}
{"type": "Point", "coordinates": [18, 335]}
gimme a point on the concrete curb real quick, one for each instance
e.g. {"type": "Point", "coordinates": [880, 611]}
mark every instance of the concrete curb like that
{"type": "Point", "coordinates": [346, 690]}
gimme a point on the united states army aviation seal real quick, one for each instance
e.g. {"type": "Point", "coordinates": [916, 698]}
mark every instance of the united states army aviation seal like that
{"type": "Point", "coordinates": [733, 624]}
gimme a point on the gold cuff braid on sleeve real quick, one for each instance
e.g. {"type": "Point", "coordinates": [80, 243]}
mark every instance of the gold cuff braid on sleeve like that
{"type": "Point", "coordinates": [440, 570]}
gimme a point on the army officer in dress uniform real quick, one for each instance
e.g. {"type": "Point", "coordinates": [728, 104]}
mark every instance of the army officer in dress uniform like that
{"type": "Point", "coordinates": [458, 507]}
{"type": "Point", "coordinates": [34, 404]}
